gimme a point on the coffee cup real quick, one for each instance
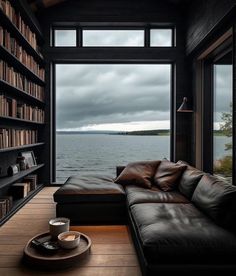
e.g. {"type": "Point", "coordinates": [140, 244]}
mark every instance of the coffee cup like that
{"type": "Point", "coordinates": [57, 226]}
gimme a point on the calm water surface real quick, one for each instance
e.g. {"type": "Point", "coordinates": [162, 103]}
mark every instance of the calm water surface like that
{"type": "Point", "coordinates": [101, 153]}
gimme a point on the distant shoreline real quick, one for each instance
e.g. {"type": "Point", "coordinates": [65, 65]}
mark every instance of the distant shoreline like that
{"type": "Point", "coordinates": [160, 132]}
{"type": "Point", "coordinates": [157, 132]}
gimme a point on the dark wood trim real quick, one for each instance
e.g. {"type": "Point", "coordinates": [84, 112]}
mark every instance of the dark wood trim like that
{"type": "Point", "coordinates": [208, 117]}
{"type": "Point", "coordinates": [234, 104]}
{"type": "Point", "coordinates": [216, 44]}
{"type": "Point", "coordinates": [173, 113]}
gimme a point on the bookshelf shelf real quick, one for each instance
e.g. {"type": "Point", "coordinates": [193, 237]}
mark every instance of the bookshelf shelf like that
{"type": "Point", "coordinates": [11, 179]}
{"type": "Point", "coordinates": [11, 59]}
{"type": "Point", "coordinates": [6, 22]}
{"type": "Point", "coordinates": [17, 204]}
{"type": "Point", "coordinates": [22, 147]}
{"type": "Point", "coordinates": [23, 121]}
{"type": "Point", "coordinates": [14, 91]}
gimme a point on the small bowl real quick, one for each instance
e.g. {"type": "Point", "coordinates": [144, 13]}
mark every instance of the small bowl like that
{"type": "Point", "coordinates": [69, 239]}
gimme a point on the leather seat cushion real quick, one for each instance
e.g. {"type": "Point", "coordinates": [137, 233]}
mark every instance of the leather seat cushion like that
{"type": "Point", "coordinates": [180, 233]}
{"type": "Point", "coordinates": [154, 195]}
{"type": "Point", "coordinates": [90, 188]}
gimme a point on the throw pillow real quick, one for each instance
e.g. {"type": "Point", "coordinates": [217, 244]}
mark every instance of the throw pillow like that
{"type": "Point", "coordinates": [138, 173]}
{"type": "Point", "coordinates": [167, 175]}
{"type": "Point", "coordinates": [189, 179]}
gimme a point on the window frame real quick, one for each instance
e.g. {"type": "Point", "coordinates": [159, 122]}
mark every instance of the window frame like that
{"type": "Point", "coordinates": [53, 91]}
{"type": "Point", "coordinates": [81, 27]}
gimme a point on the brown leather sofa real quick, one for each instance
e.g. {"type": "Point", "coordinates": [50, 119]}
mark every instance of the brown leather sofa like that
{"type": "Point", "coordinates": [189, 228]}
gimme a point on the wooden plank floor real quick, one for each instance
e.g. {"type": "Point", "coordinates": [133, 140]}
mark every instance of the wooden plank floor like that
{"type": "Point", "coordinates": [112, 251]}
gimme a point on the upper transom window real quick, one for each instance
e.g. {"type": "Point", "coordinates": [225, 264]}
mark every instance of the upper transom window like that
{"type": "Point", "coordinates": [65, 38]}
{"type": "Point", "coordinates": [117, 38]}
{"type": "Point", "coordinates": [161, 38]}
{"type": "Point", "coordinates": [146, 37]}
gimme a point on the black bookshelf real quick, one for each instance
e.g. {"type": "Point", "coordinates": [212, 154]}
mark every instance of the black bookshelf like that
{"type": "Point", "coordinates": [17, 204]}
{"type": "Point", "coordinates": [21, 147]}
{"type": "Point", "coordinates": [5, 181]}
{"type": "Point", "coordinates": [9, 155]}
{"type": "Point", "coordinates": [12, 60]}
{"type": "Point", "coordinates": [6, 23]}
{"type": "Point", "coordinates": [19, 121]}
{"type": "Point", "coordinates": [14, 91]}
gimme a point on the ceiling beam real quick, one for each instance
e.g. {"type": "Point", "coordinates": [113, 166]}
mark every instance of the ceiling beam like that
{"type": "Point", "coordinates": [49, 3]}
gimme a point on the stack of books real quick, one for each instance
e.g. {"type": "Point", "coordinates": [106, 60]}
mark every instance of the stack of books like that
{"type": "Point", "coordinates": [22, 189]}
{"type": "Point", "coordinates": [8, 106]}
{"type": "Point", "coordinates": [6, 203]}
{"type": "Point", "coordinates": [32, 180]}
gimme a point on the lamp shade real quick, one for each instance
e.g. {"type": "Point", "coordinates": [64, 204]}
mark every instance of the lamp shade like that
{"type": "Point", "coordinates": [184, 106]}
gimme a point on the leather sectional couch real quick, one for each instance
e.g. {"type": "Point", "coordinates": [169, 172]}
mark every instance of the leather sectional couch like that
{"type": "Point", "coordinates": [182, 220]}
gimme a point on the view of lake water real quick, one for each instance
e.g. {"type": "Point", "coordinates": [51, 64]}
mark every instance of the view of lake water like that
{"type": "Point", "coordinates": [101, 153]}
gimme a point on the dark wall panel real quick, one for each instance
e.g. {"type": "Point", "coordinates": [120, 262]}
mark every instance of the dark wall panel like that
{"type": "Point", "coordinates": [203, 16]}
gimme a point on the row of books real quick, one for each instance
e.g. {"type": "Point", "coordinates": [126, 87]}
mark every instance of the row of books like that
{"type": "Point", "coordinates": [13, 108]}
{"type": "Point", "coordinates": [11, 44]}
{"type": "Point", "coordinates": [17, 191]}
{"type": "Point", "coordinates": [17, 20]}
{"type": "Point", "coordinates": [16, 79]}
{"type": "Point", "coordinates": [17, 137]}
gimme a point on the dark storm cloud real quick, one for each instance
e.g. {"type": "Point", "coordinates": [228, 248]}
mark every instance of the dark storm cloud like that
{"type": "Point", "coordinates": [98, 94]}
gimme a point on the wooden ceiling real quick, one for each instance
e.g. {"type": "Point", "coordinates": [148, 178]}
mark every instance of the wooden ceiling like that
{"type": "Point", "coordinates": [42, 4]}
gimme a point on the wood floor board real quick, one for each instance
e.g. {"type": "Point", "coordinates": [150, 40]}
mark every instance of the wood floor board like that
{"type": "Point", "coordinates": [82, 271]}
{"type": "Point", "coordinates": [112, 252]}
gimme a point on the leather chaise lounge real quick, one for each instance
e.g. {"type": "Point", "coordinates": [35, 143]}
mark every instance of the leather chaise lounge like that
{"type": "Point", "coordinates": [182, 220]}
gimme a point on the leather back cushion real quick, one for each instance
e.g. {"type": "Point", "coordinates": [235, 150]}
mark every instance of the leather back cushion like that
{"type": "Point", "coordinates": [189, 180]}
{"type": "Point", "coordinates": [217, 199]}
{"type": "Point", "coordinates": [167, 175]}
{"type": "Point", "coordinates": [138, 173]}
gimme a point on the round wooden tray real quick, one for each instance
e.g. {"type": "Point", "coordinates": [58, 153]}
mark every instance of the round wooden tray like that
{"type": "Point", "coordinates": [63, 258]}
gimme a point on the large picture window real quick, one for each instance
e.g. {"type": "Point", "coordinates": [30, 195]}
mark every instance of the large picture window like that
{"type": "Point", "coordinates": [109, 115]}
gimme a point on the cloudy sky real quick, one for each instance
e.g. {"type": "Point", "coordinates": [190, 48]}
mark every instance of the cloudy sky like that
{"type": "Point", "coordinates": [222, 92]}
{"type": "Point", "coordinates": [123, 97]}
